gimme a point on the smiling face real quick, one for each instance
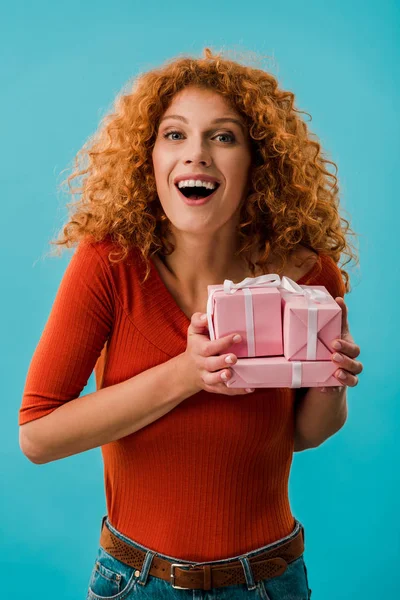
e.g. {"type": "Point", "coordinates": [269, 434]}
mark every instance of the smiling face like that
{"type": "Point", "coordinates": [201, 134]}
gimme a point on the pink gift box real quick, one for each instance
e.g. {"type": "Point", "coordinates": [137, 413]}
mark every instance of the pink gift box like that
{"type": "Point", "coordinates": [254, 310]}
{"type": "Point", "coordinates": [309, 328]}
{"type": "Point", "coordinates": [276, 371]}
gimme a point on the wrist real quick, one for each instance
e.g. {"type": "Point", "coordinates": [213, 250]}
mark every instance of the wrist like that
{"type": "Point", "coordinates": [184, 379]}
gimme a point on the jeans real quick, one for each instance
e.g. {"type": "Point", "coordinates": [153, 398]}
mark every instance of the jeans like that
{"type": "Point", "coordinates": [112, 579]}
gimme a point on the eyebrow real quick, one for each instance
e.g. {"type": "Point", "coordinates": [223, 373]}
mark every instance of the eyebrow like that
{"type": "Point", "coordinates": [219, 120]}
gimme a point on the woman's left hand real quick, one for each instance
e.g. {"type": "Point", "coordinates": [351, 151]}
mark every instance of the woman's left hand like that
{"type": "Point", "coordinates": [348, 351]}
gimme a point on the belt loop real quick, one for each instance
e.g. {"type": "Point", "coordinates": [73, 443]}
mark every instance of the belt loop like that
{"type": "Point", "coordinates": [146, 567]}
{"type": "Point", "coordinates": [304, 536]}
{"type": "Point", "coordinates": [102, 523]}
{"type": "Point", "coordinates": [207, 577]}
{"type": "Point", "coordinates": [248, 573]}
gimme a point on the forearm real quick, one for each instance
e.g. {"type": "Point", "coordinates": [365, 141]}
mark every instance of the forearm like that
{"type": "Point", "coordinates": [319, 415]}
{"type": "Point", "coordinates": [108, 414]}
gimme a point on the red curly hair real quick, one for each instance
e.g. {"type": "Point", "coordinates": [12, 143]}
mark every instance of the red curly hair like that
{"type": "Point", "coordinates": [292, 198]}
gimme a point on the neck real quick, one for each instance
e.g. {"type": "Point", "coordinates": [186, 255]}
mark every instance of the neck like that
{"type": "Point", "coordinates": [197, 262]}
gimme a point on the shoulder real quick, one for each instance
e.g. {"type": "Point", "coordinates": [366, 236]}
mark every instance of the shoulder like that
{"type": "Point", "coordinates": [321, 269]}
{"type": "Point", "coordinates": [107, 251]}
{"type": "Point", "coordinates": [328, 274]}
{"type": "Point", "coordinates": [102, 247]}
{"type": "Point", "coordinates": [303, 258]}
{"type": "Point", "coordinates": [301, 262]}
{"type": "Point", "coordinates": [89, 260]}
{"type": "Point", "coordinates": [88, 270]}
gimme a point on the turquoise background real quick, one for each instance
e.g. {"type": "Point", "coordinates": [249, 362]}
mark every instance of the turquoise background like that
{"type": "Point", "coordinates": [62, 66]}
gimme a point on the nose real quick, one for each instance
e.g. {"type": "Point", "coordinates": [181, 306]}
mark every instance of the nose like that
{"type": "Point", "coordinates": [196, 153]}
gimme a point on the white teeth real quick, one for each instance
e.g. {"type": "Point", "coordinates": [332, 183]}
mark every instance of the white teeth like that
{"type": "Point", "coordinates": [197, 183]}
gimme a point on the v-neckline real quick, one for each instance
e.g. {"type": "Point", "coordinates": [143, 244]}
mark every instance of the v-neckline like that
{"type": "Point", "coordinates": [182, 315]}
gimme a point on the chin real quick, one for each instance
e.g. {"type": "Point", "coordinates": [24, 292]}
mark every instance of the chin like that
{"type": "Point", "coordinates": [197, 224]}
{"type": "Point", "coordinates": [193, 228]}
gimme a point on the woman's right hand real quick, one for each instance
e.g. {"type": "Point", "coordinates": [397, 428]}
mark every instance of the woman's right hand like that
{"type": "Point", "coordinates": [206, 364]}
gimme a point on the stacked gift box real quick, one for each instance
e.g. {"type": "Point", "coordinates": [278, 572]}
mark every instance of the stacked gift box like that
{"type": "Point", "coordinates": [286, 330]}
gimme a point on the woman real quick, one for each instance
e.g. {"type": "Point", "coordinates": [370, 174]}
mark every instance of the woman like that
{"type": "Point", "coordinates": [196, 475]}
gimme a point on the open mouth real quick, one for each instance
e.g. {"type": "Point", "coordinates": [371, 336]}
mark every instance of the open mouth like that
{"type": "Point", "coordinates": [196, 192]}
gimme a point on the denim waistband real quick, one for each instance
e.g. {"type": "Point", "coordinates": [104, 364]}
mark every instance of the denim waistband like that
{"type": "Point", "coordinates": [251, 554]}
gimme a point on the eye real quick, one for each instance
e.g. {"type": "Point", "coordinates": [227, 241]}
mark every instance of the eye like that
{"type": "Point", "coordinates": [226, 135]}
{"type": "Point", "coordinates": [165, 135]}
{"type": "Point", "coordinates": [229, 135]}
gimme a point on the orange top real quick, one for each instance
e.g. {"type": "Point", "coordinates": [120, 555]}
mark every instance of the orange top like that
{"type": "Point", "coordinates": [209, 479]}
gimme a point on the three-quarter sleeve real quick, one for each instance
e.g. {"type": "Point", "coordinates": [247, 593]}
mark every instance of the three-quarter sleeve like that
{"type": "Point", "coordinates": [79, 324]}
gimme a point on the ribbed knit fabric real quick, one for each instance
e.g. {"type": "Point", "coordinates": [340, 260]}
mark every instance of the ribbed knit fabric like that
{"type": "Point", "coordinates": [208, 480]}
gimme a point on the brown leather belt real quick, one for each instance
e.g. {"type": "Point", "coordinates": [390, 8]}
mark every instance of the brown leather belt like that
{"type": "Point", "coordinates": [271, 563]}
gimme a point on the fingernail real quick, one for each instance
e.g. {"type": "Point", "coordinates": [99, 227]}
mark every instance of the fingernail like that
{"type": "Point", "coordinates": [228, 359]}
{"type": "Point", "coordinates": [337, 345]}
{"type": "Point", "coordinates": [342, 375]}
{"type": "Point", "coordinates": [224, 376]}
{"type": "Point", "coordinates": [203, 317]}
{"type": "Point", "coordinates": [337, 357]}
{"type": "Point", "coordinates": [249, 389]}
{"type": "Point", "coordinates": [237, 338]}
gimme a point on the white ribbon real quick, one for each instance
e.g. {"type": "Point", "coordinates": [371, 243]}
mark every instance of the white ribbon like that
{"type": "Point", "coordinates": [312, 294]}
{"type": "Point", "coordinates": [272, 281]}
{"type": "Point", "coordinates": [296, 374]}
{"type": "Point", "coordinates": [248, 305]}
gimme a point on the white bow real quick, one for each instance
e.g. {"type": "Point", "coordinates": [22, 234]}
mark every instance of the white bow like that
{"type": "Point", "coordinates": [271, 280]}
{"type": "Point", "coordinates": [313, 295]}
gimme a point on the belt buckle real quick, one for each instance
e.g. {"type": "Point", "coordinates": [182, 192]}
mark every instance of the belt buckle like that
{"type": "Point", "coordinates": [173, 565]}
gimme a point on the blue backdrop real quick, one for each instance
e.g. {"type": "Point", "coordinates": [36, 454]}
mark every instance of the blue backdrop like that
{"type": "Point", "coordinates": [62, 66]}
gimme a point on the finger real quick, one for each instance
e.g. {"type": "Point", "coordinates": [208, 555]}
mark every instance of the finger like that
{"type": "Point", "coordinates": [236, 391]}
{"type": "Point", "coordinates": [197, 325]}
{"type": "Point", "coordinates": [215, 347]}
{"type": "Point", "coordinates": [221, 388]}
{"type": "Point", "coordinates": [345, 324]}
{"type": "Point", "coordinates": [348, 348]}
{"type": "Point", "coordinates": [344, 362]}
{"type": "Point", "coordinates": [213, 378]}
{"type": "Point", "coordinates": [214, 363]}
{"type": "Point", "coordinates": [346, 378]}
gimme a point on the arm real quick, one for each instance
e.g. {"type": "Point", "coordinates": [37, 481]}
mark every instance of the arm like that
{"type": "Point", "coordinates": [106, 415]}
{"type": "Point", "coordinates": [55, 421]}
{"type": "Point", "coordinates": [321, 412]}
{"type": "Point", "coordinates": [318, 416]}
